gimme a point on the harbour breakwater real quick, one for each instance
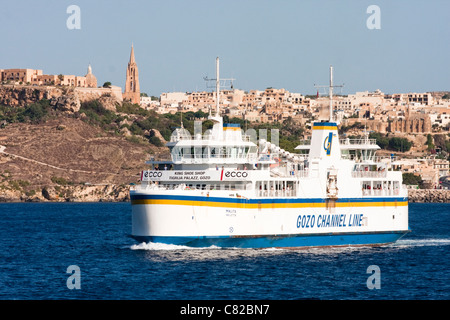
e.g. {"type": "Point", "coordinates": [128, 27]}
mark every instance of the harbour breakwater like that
{"type": "Point", "coordinates": [429, 195]}
{"type": "Point", "coordinates": [120, 193]}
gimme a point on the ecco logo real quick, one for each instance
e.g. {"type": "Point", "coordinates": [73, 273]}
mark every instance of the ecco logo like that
{"type": "Point", "coordinates": [236, 174]}
{"type": "Point", "coordinates": [152, 174]}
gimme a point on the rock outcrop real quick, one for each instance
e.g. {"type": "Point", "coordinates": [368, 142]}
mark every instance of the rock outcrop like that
{"type": "Point", "coordinates": [60, 97]}
{"type": "Point", "coordinates": [21, 96]}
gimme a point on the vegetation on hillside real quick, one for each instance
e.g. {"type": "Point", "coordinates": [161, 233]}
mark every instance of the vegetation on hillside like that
{"type": "Point", "coordinates": [34, 113]}
{"type": "Point", "coordinates": [394, 143]}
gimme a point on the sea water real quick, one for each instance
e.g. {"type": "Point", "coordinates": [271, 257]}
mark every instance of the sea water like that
{"type": "Point", "coordinates": [48, 248]}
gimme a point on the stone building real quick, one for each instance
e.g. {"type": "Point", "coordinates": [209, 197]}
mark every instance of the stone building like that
{"type": "Point", "coordinates": [416, 123]}
{"type": "Point", "coordinates": [410, 98]}
{"type": "Point", "coordinates": [19, 75]}
{"type": "Point", "coordinates": [132, 90]}
{"type": "Point", "coordinates": [36, 77]}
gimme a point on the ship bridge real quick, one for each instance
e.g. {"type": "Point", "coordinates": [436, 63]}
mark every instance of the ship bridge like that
{"type": "Point", "coordinates": [353, 149]}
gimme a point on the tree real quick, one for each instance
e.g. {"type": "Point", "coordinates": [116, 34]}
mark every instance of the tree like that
{"type": "Point", "coordinates": [411, 179]}
{"type": "Point", "coordinates": [107, 84]}
{"type": "Point", "coordinates": [399, 144]}
{"type": "Point", "coordinates": [382, 141]}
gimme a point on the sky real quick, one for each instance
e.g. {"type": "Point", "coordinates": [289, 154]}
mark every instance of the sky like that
{"type": "Point", "coordinates": [279, 44]}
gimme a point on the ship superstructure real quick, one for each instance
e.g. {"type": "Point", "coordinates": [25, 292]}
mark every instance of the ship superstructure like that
{"type": "Point", "coordinates": [228, 189]}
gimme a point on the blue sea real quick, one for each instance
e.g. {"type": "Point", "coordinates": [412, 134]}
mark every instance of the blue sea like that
{"type": "Point", "coordinates": [41, 243]}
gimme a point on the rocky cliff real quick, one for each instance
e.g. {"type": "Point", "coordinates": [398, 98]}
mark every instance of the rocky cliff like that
{"type": "Point", "coordinates": [62, 98]}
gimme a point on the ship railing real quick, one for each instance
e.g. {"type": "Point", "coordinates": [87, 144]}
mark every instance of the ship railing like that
{"type": "Point", "coordinates": [188, 187]}
{"type": "Point", "coordinates": [275, 193]}
{"type": "Point", "coordinates": [191, 158]}
{"type": "Point", "coordinates": [358, 141]}
{"type": "Point", "coordinates": [370, 158]}
{"type": "Point", "coordinates": [294, 173]}
{"type": "Point", "coordinates": [369, 174]}
{"type": "Point", "coordinates": [380, 192]}
{"type": "Point", "coordinates": [306, 142]}
{"type": "Point", "coordinates": [265, 157]}
{"type": "Point", "coordinates": [385, 159]}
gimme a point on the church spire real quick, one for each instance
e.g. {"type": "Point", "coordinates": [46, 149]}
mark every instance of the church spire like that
{"type": "Point", "coordinates": [132, 90]}
{"type": "Point", "coordinates": [132, 60]}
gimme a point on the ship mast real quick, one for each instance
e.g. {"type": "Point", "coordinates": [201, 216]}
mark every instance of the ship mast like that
{"type": "Point", "coordinates": [330, 92]}
{"type": "Point", "coordinates": [217, 86]}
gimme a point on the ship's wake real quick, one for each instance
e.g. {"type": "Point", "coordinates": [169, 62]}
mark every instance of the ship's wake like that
{"type": "Point", "coordinates": [161, 251]}
{"type": "Point", "coordinates": [166, 247]}
{"type": "Point", "coordinates": [421, 242]}
{"type": "Point", "coordinates": [171, 247]}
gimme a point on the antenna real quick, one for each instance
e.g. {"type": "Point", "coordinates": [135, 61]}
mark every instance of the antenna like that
{"type": "Point", "coordinates": [181, 120]}
{"type": "Point", "coordinates": [331, 86]}
{"type": "Point", "coordinates": [218, 85]}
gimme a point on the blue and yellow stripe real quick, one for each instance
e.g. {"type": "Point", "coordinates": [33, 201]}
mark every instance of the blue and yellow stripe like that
{"type": "Point", "coordinates": [270, 203]}
{"type": "Point", "coordinates": [325, 126]}
{"type": "Point", "coordinates": [231, 127]}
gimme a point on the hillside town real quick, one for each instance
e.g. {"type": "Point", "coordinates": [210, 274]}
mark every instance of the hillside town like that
{"type": "Point", "coordinates": [418, 117]}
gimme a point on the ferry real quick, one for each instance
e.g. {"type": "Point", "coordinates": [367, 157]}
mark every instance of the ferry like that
{"type": "Point", "coordinates": [226, 188]}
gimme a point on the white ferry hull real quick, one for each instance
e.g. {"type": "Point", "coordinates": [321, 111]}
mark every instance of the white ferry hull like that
{"type": "Point", "coordinates": [201, 221]}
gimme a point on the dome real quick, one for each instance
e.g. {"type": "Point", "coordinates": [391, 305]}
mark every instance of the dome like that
{"type": "Point", "coordinates": [91, 80]}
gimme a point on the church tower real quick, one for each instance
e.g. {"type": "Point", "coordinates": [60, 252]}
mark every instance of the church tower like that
{"type": "Point", "coordinates": [132, 91]}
